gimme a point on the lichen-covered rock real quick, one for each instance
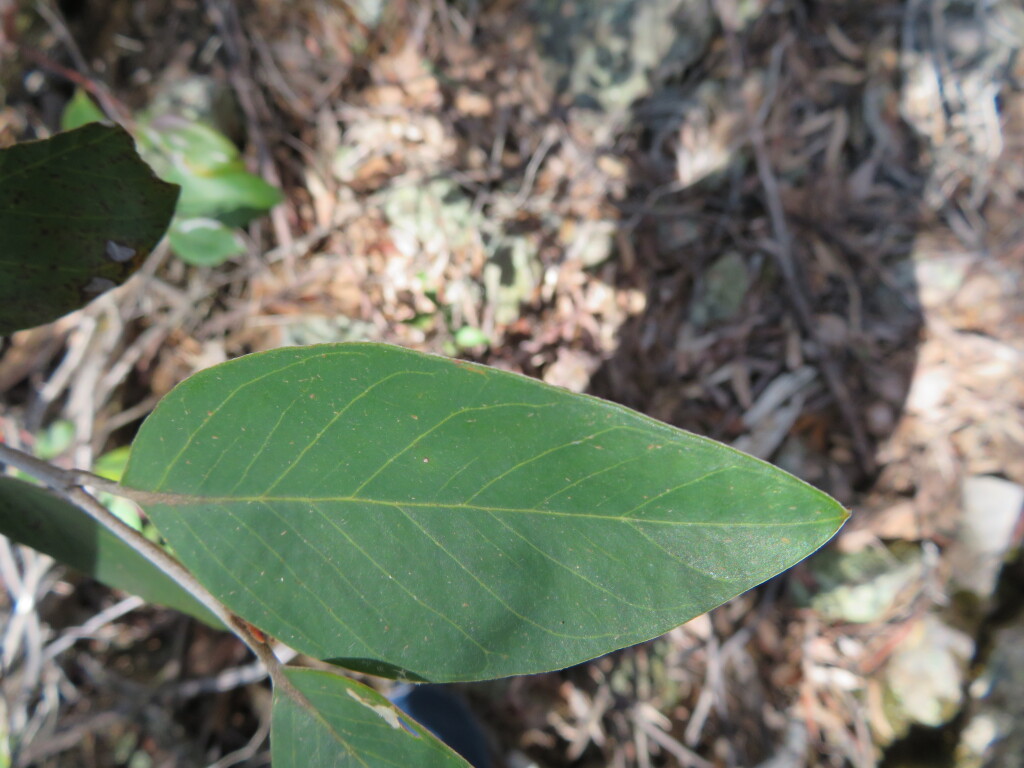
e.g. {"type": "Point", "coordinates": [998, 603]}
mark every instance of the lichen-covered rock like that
{"type": "Point", "coordinates": [863, 587]}
{"type": "Point", "coordinates": [991, 510]}
{"type": "Point", "coordinates": [993, 737]}
{"type": "Point", "coordinates": [924, 678]}
{"type": "Point", "coordinates": [605, 55]}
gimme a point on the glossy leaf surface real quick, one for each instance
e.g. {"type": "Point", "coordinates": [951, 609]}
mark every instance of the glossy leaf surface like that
{"type": "Point", "coordinates": [34, 517]}
{"type": "Point", "coordinates": [79, 212]}
{"type": "Point", "coordinates": [394, 511]}
{"type": "Point", "coordinates": [348, 724]}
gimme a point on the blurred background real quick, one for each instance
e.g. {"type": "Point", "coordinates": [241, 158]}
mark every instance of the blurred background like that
{"type": "Point", "coordinates": [796, 226]}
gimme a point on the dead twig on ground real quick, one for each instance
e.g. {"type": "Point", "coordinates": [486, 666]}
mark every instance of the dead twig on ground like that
{"type": "Point", "coordinates": [83, 77]}
{"type": "Point", "coordinates": [225, 17]}
{"type": "Point", "coordinates": [782, 252]}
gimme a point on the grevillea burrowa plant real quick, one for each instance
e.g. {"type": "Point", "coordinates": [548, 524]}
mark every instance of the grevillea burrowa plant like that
{"type": "Point", "coordinates": [387, 511]}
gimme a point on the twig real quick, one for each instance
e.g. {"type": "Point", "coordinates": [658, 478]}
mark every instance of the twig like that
{"type": "Point", "coordinates": [38, 750]}
{"type": "Point", "coordinates": [83, 78]}
{"type": "Point", "coordinates": [77, 344]}
{"type": "Point", "coordinates": [8, 26]}
{"type": "Point", "coordinates": [547, 142]}
{"type": "Point", "coordinates": [249, 750]}
{"type": "Point", "coordinates": [687, 757]}
{"type": "Point", "coordinates": [783, 259]}
{"type": "Point", "coordinates": [44, 471]}
{"type": "Point", "coordinates": [9, 574]}
{"type": "Point", "coordinates": [24, 635]}
{"type": "Point", "coordinates": [54, 18]}
{"type": "Point", "coordinates": [708, 694]}
{"type": "Point", "coordinates": [250, 99]}
{"type": "Point", "coordinates": [89, 628]}
{"type": "Point", "coordinates": [782, 254]}
{"type": "Point", "coordinates": [227, 680]}
{"type": "Point", "coordinates": [68, 484]}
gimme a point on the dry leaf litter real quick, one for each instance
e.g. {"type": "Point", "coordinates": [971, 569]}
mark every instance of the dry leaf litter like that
{"type": "Point", "coordinates": [793, 227]}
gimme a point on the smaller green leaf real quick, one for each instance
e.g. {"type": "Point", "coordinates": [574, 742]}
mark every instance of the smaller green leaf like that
{"type": "Point", "coordinates": [111, 464]}
{"type": "Point", "coordinates": [223, 193]}
{"type": "Point", "coordinates": [209, 169]}
{"type": "Point", "coordinates": [35, 517]}
{"type": "Point", "coordinates": [81, 110]}
{"type": "Point", "coordinates": [78, 214]}
{"type": "Point", "coordinates": [124, 510]}
{"type": "Point", "coordinates": [195, 146]}
{"type": "Point", "coordinates": [204, 242]}
{"type": "Point", "coordinates": [55, 439]}
{"type": "Point", "coordinates": [344, 723]}
{"type": "Point", "coordinates": [468, 336]}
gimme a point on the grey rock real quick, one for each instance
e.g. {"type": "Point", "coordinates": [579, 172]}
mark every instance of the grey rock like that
{"type": "Point", "coordinates": [605, 55]}
{"type": "Point", "coordinates": [924, 678]}
{"type": "Point", "coordinates": [991, 509]}
{"type": "Point", "coordinates": [862, 587]}
{"type": "Point", "coordinates": [993, 736]}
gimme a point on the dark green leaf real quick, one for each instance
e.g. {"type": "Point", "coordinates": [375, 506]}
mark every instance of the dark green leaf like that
{"type": "Point", "coordinates": [348, 724]}
{"type": "Point", "coordinates": [78, 214]}
{"type": "Point", "coordinates": [369, 504]}
{"type": "Point", "coordinates": [35, 517]}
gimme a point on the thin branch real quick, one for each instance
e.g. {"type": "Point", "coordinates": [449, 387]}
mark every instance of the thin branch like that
{"type": "Point", "coordinates": [69, 485]}
{"type": "Point", "coordinates": [783, 255]}
{"type": "Point", "coordinates": [83, 77]}
{"type": "Point", "coordinates": [69, 637]}
{"type": "Point", "coordinates": [54, 477]}
{"type": "Point", "coordinates": [249, 750]}
{"type": "Point", "coordinates": [80, 477]}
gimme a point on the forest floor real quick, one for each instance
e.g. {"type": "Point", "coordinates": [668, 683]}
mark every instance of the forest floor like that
{"type": "Point", "coordinates": [802, 234]}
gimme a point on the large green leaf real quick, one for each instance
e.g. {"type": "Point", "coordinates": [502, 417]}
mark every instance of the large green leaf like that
{"type": "Point", "coordinates": [35, 517]}
{"type": "Point", "coordinates": [78, 214]}
{"type": "Point", "coordinates": [392, 511]}
{"type": "Point", "coordinates": [343, 723]}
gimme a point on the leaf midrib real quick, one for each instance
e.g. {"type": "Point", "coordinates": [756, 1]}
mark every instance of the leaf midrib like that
{"type": "Point", "coordinates": [174, 499]}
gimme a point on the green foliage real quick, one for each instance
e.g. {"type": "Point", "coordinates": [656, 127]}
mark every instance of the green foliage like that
{"type": "Point", "coordinates": [381, 506]}
{"type": "Point", "coordinates": [78, 214]}
{"type": "Point", "coordinates": [468, 336]}
{"type": "Point", "coordinates": [111, 466]}
{"type": "Point", "coordinates": [55, 439]}
{"type": "Point", "coordinates": [343, 723]}
{"type": "Point", "coordinates": [217, 193]}
{"type": "Point", "coordinates": [34, 517]}
{"type": "Point", "coordinates": [79, 111]}
{"type": "Point", "coordinates": [204, 242]}
{"type": "Point", "coordinates": [378, 508]}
